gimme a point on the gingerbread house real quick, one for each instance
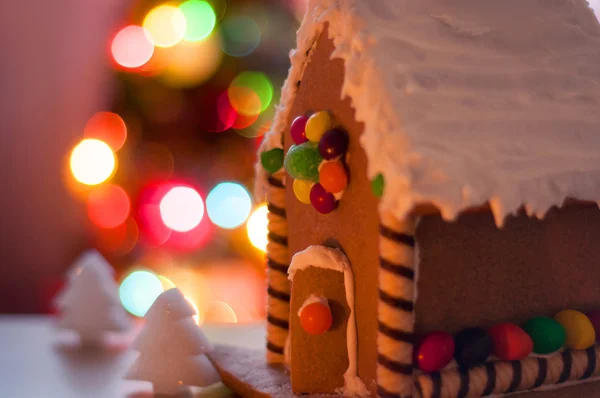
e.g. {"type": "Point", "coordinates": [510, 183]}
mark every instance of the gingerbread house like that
{"type": "Point", "coordinates": [432, 177]}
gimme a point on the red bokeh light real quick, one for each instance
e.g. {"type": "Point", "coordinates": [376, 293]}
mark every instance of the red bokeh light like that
{"type": "Point", "coordinates": [108, 127]}
{"type": "Point", "coordinates": [155, 233]}
{"type": "Point", "coordinates": [214, 114]}
{"type": "Point", "coordinates": [120, 240]}
{"type": "Point", "coordinates": [229, 116]}
{"type": "Point", "coordinates": [108, 206]}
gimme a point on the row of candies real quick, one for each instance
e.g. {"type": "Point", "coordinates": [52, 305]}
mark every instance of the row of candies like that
{"type": "Point", "coordinates": [316, 161]}
{"type": "Point", "coordinates": [539, 335]}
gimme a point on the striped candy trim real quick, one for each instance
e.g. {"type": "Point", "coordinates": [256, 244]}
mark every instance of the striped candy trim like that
{"type": "Point", "coordinates": [278, 286]}
{"type": "Point", "coordinates": [505, 377]}
{"type": "Point", "coordinates": [396, 308]}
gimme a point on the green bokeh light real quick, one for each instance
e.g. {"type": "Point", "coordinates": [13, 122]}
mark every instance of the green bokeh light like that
{"type": "Point", "coordinates": [257, 82]}
{"type": "Point", "coordinates": [240, 35]}
{"type": "Point", "coordinates": [200, 18]}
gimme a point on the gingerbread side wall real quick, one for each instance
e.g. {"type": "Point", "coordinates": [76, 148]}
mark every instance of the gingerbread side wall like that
{"type": "Point", "coordinates": [354, 224]}
{"type": "Point", "coordinates": [524, 269]}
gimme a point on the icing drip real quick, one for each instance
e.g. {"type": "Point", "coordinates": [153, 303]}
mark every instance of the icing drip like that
{"type": "Point", "coordinates": [313, 299]}
{"type": "Point", "coordinates": [334, 259]}
{"type": "Point", "coordinates": [465, 103]}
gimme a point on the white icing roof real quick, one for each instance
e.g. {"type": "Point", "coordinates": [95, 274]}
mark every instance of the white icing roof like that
{"type": "Point", "coordinates": [466, 101]}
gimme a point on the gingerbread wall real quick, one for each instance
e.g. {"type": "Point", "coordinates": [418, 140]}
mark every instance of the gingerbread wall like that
{"type": "Point", "coordinates": [354, 225]}
{"type": "Point", "coordinates": [311, 371]}
{"type": "Point", "coordinates": [474, 274]}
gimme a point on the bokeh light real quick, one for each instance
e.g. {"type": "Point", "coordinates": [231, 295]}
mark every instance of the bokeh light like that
{"type": "Point", "coordinates": [240, 35]}
{"type": "Point", "coordinates": [166, 25]}
{"type": "Point", "coordinates": [259, 83]}
{"type": "Point", "coordinates": [182, 208]}
{"type": "Point", "coordinates": [257, 228]}
{"type": "Point", "coordinates": [260, 126]}
{"type": "Point", "coordinates": [108, 127]}
{"type": "Point", "coordinates": [131, 47]}
{"type": "Point", "coordinates": [244, 100]}
{"type": "Point", "coordinates": [119, 240]}
{"type": "Point", "coordinates": [139, 291]}
{"type": "Point", "coordinates": [92, 162]}
{"type": "Point", "coordinates": [108, 206]}
{"type": "Point", "coordinates": [200, 19]}
{"type": "Point", "coordinates": [220, 312]}
{"type": "Point", "coordinates": [226, 114]}
{"type": "Point", "coordinates": [195, 307]}
{"type": "Point", "coordinates": [154, 232]}
{"type": "Point", "coordinates": [228, 205]}
{"type": "Point", "coordinates": [189, 64]}
{"type": "Point", "coordinates": [166, 282]}
{"type": "Point", "coordinates": [219, 7]}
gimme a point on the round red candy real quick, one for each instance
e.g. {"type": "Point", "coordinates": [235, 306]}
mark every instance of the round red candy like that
{"type": "Point", "coordinates": [510, 342]}
{"type": "Point", "coordinates": [316, 318]}
{"type": "Point", "coordinates": [298, 130]}
{"type": "Point", "coordinates": [333, 144]}
{"type": "Point", "coordinates": [322, 201]}
{"type": "Point", "coordinates": [434, 351]}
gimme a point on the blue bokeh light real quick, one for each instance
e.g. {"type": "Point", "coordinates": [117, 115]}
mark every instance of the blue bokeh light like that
{"type": "Point", "coordinates": [228, 205]}
{"type": "Point", "coordinates": [138, 292]}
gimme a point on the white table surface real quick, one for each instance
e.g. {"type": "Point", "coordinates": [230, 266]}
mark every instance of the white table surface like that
{"type": "Point", "coordinates": [39, 361]}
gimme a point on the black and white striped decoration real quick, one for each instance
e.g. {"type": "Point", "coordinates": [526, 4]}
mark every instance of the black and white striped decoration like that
{"type": "Point", "coordinates": [278, 289]}
{"type": "Point", "coordinates": [395, 309]}
{"type": "Point", "coordinates": [505, 377]}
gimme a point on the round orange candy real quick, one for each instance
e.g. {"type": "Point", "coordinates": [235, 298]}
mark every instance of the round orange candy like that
{"type": "Point", "coordinates": [316, 318]}
{"type": "Point", "coordinates": [333, 177]}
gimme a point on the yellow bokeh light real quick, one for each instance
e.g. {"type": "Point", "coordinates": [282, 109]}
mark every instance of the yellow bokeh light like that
{"type": "Point", "coordinates": [257, 228]}
{"type": "Point", "coordinates": [220, 312]}
{"type": "Point", "coordinates": [166, 25]}
{"type": "Point", "coordinates": [195, 307]}
{"type": "Point", "coordinates": [166, 283]}
{"type": "Point", "coordinates": [92, 162]}
{"type": "Point", "coordinates": [189, 64]}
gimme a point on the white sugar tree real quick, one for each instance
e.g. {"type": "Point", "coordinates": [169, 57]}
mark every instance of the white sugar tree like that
{"type": "Point", "coordinates": [172, 348]}
{"type": "Point", "coordinates": [90, 259]}
{"type": "Point", "coordinates": [89, 304]}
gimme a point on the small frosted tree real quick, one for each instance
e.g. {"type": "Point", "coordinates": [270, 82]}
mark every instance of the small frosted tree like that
{"type": "Point", "coordinates": [91, 259]}
{"type": "Point", "coordinates": [90, 304]}
{"type": "Point", "coordinates": [172, 348]}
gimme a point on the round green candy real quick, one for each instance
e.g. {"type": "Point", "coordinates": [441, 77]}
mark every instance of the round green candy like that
{"type": "Point", "coordinates": [302, 161]}
{"type": "Point", "coordinates": [547, 334]}
{"type": "Point", "coordinates": [377, 185]}
{"type": "Point", "coordinates": [272, 160]}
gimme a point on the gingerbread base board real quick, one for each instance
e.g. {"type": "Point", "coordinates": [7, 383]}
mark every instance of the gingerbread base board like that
{"type": "Point", "coordinates": [247, 374]}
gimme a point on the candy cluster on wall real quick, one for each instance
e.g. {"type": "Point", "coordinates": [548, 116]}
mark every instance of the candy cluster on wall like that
{"type": "Point", "coordinates": [316, 162]}
{"type": "Point", "coordinates": [540, 335]}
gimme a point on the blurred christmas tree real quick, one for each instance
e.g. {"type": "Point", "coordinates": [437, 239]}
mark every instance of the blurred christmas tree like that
{"type": "Point", "coordinates": [167, 169]}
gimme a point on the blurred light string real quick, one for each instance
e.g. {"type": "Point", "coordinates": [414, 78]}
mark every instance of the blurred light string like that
{"type": "Point", "coordinates": [257, 228]}
{"type": "Point", "coordinates": [92, 162]}
{"type": "Point", "coordinates": [228, 205]}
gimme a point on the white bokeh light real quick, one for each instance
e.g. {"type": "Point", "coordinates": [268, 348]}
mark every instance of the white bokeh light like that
{"type": "Point", "coordinates": [182, 209]}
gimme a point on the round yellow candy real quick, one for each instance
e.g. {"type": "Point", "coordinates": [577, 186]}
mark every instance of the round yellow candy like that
{"type": "Point", "coordinates": [317, 125]}
{"type": "Point", "coordinates": [302, 190]}
{"type": "Point", "coordinates": [578, 328]}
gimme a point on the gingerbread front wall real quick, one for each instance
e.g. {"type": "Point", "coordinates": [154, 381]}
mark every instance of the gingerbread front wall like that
{"type": "Point", "coordinates": [353, 225]}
